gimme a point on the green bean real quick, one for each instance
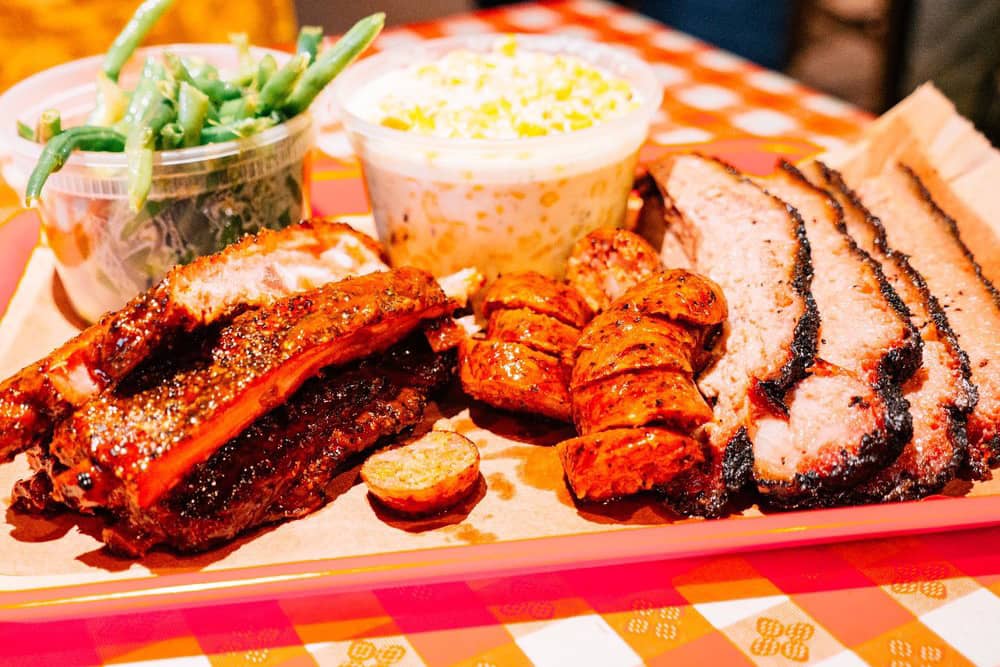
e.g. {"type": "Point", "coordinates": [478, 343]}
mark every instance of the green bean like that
{"type": "Point", "coordinates": [148, 13]}
{"type": "Point", "coordinates": [266, 69]}
{"type": "Point", "coordinates": [169, 90]}
{"type": "Point", "coordinates": [310, 37]}
{"type": "Point", "coordinates": [229, 108]}
{"type": "Point", "coordinates": [171, 136]}
{"type": "Point", "coordinates": [247, 68]}
{"type": "Point", "coordinates": [213, 113]}
{"type": "Point", "coordinates": [57, 151]}
{"type": "Point", "coordinates": [214, 134]}
{"type": "Point", "coordinates": [192, 109]}
{"type": "Point", "coordinates": [281, 84]}
{"type": "Point", "coordinates": [111, 102]}
{"type": "Point", "coordinates": [139, 148]}
{"type": "Point", "coordinates": [49, 125]}
{"type": "Point", "coordinates": [25, 131]}
{"type": "Point", "coordinates": [146, 94]}
{"type": "Point", "coordinates": [177, 69]}
{"type": "Point", "coordinates": [240, 108]}
{"type": "Point", "coordinates": [197, 66]}
{"type": "Point", "coordinates": [152, 107]}
{"type": "Point", "coordinates": [217, 91]}
{"type": "Point", "coordinates": [331, 62]}
{"type": "Point", "coordinates": [153, 69]}
{"type": "Point", "coordinates": [141, 142]}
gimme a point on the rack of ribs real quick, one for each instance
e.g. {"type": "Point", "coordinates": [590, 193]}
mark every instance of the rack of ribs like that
{"type": "Point", "coordinates": [145, 436]}
{"type": "Point", "coordinates": [226, 417]}
{"type": "Point", "coordinates": [253, 272]}
{"type": "Point", "coordinates": [280, 467]}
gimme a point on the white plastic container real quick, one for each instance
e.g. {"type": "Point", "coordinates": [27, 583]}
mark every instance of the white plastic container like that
{"type": "Point", "coordinates": [500, 205]}
{"type": "Point", "coordinates": [202, 198]}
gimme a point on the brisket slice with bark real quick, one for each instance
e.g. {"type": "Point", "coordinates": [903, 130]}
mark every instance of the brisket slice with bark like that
{"type": "Point", "coordinates": [253, 272]}
{"type": "Point", "coordinates": [755, 248]}
{"type": "Point", "coordinates": [939, 393]}
{"type": "Point", "coordinates": [916, 226]}
{"type": "Point", "coordinates": [143, 438]}
{"type": "Point", "coordinates": [847, 418]}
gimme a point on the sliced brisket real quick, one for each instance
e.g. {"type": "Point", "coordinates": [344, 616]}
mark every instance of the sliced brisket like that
{"type": "Point", "coordinates": [917, 227]}
{"type": "Point", "coordinates": [755, 248]}
{"type": "Point", "coordinates": [939, 393]}
{"type": "Point", "coordinates": [847, 418]}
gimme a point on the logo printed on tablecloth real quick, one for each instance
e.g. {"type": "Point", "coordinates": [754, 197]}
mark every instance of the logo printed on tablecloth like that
{"type": "Point", "coordinates": [926, 581]}
{"type": "Point", "coordinates": [904, 655]}
{"type": "Point", "coordinates": [663, 622]}
{"type": "Point", "coordinates": [790, 641]}
{"type": "Point", "coordinates": [363, 653]}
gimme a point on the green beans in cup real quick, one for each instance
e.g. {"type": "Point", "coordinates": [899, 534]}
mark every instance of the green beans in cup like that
{"type": "Point", "coordinates": [149, 157]}
{"type": "Point", "coordinates": [214, 110]}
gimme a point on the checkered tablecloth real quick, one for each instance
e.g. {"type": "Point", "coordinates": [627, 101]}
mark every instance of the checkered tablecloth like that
{"type": "Point", "coordinates": [923, 601]}
{"type": "Point", "coordinates": [909, 602]}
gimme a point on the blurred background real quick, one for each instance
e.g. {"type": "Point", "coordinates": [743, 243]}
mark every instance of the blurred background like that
{"type": "Point", "coordinates": [868, 52]}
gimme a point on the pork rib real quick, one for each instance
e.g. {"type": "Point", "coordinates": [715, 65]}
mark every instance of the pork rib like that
{"type": "Point", "coordinates": [253, 272]}
{"type": "Point", "coordinates": [756, 249]}
{"type": "Point", "coordinates": [868, 347]}
{"type": "Point", "coordinates": [939, 393]}
{"type": "Point", "coordinates": [149, 436]}
{"type": "Point", "coordinates": [282, 465]}
{"type": "Point", "coordinates": [916, 226]}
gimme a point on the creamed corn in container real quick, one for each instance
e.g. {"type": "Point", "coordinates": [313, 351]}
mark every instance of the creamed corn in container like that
{"type": "Point", "coordinates": [496, 151]}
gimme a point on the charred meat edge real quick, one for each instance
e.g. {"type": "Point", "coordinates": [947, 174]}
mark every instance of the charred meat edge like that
{"type": "Point", "coordinates": [34, 398]}
{"type": "Point", "coordinates": [894, 368]}
{"type": "Point", "coordinates": [964, 402]}
{"type": "Point", "coordinates": [925, 194]}
{"type": "Point", "coordinates": [737, 461]}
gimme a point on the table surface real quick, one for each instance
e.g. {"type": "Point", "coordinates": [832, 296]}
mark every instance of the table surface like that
{"type": "Point", "coordinates": [929, 600]}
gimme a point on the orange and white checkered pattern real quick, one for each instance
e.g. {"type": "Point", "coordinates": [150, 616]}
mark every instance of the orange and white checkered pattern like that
{"type": "Point", "coordinates": [929, 601]}
{"type": "Point", "coordinates": [708, 94]}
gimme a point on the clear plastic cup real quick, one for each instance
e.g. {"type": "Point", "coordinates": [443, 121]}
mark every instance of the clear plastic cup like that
{"type": "Point", "coordinates": [202, 198]}
{"type": "Point", "coordinates": [500, 205]}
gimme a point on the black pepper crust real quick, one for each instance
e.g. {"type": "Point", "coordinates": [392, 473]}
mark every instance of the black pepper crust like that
{"type": "Point", "coordinates": [805, 340]}
{"type": "Point", "coordinates": [953, 228]}
{"type": "Point", "coordinates": [910, 486]}
{"type": "Point", "coordinates": [737, 464]}
{"type": "Point", "coordinates": [979, 467]}
{"type": "Point", "coordinates": [709, 496]}
{"type": "Point", "coordinates": [897, 365]}
{"type": "Point", "coordinates": [281, 467]}
{"type": "Point", "coordinates": [875, 449]}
